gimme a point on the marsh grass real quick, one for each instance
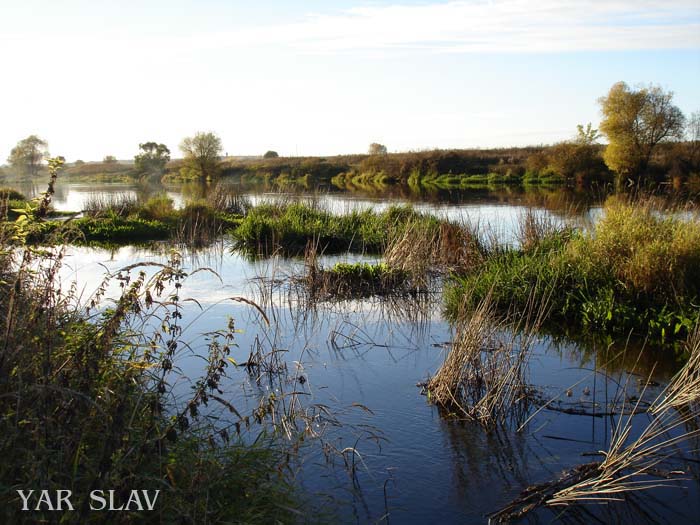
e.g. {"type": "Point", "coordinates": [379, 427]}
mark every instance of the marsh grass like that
{"type": "Point", "coordinates": [424, 248]}
{"type": "Point", "coordinates": [287, 227]}
{"type": "Point", "coordinates": [637, 269]}
{"type": "Point", "coordinates": [120, 205]}
{"type": "Point", "coordinates": [158, 208]}
{"type": "Point", "coordinates": [485, 373]}
{"type": "Point", "coordinates": [227, 199]}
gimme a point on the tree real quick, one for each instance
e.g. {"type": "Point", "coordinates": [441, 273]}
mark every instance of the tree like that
{"type": "Point", "coordinates": [79, 162]}
{"type": "Point", "coordinates": [153, 158]}
{"type": "Point", "coordinates": [586, 136]}
{"type": "Point", "coordinates": [201, 155]}
{"type": "Point", "coordinates": [110, 159]}
{"type": "Point", "coordinates": [635, 122]}
{"type": "Point", "coordinates": [271, 155]}
{"type": "Point", "coordinates": [27, 155]}
{"type": "Point", "coordinates": [377, 149]}
{"type": "Point", "coordinates": [693, 139]}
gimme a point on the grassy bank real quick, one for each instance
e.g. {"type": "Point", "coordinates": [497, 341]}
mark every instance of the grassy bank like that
{"type": "Point", "coordinates": [637, 270]}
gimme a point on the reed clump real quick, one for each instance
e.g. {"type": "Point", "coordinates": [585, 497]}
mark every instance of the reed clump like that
{"type": "Point", "coordinates": [425, 248]}
{"type": "Point", "coordinates": [227, 199]}
{"type": "Point", "coordinates": [120, 205]}
{"type": "Point", "coordinates": [344, 281]}
{"type": "Point", "coordinates": [630, 464]}
{"type": "Point", "coordinates": [485, 373]}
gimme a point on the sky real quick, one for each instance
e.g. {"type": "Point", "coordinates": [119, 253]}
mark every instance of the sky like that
{"type": "Point", "coordinates": [98, 77]}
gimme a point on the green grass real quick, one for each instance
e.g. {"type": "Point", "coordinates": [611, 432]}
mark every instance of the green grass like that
{"type": "Point", "coordinates": [111, 222]}
{"type": "Point", "coordinates": [290, 227]}
{"type": "Point", "coordinates": [638, 270]}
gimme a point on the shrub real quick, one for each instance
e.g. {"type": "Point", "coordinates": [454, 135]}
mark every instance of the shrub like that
{"type": "Point", "coordinates": [159, 207]}
{"type": "Point", "coordinates": [11, 195]}
{"type": "Point", "coordinates": [638, 269]}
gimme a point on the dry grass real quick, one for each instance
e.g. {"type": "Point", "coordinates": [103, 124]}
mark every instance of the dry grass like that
{"type": "Point", "coordinates": [629, 465]}
{"type": "Point", "coordinates": [648, 247]}
{"type": "Point", "coordinates": [484, 376]}
{"type": "Point", "coordinates": [226, 199]}
{"type": "Point", "coordinates": [424, 248]}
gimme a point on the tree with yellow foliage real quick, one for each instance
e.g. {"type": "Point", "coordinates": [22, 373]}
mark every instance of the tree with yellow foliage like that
{"type": "Point", "coordinates": [635, 122]}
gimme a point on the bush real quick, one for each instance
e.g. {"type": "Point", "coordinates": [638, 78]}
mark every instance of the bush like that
{"type": "Point", "coordinates": [11, 195]}
{"type": "Point", "coordinates": [159, 207]}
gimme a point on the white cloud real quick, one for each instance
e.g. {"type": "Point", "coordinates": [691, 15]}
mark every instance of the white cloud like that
{"type": "Point", "coordinates": [486, 26]}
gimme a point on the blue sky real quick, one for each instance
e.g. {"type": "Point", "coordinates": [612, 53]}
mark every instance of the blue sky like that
{"type": "Point", "coordinates": [95, 78]}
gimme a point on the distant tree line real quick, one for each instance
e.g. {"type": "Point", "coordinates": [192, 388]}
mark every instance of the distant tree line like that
{"type": "Point", "coordinates": [648, 140]}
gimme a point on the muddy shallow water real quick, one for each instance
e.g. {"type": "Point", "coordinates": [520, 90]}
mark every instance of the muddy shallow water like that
{"type": "Point", "coordinates": [363, 360]}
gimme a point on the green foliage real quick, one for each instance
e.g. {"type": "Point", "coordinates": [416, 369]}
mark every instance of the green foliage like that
{"type": "Point", "coordinates": [120, 229]}
{"type": "Point", "coordinates": [159, 207]}
{"type": "Point", "coordinates": [26, 157]}
{"type": "Point", "coordinates": [152, 159]}
{"type": "Point", "coordinates": [637, 270]}
{"type": "Point", "coordinates": [110, 159]}
{"type": "Point", "coordinates": [86, 397]}
{"type": "Point", "coordinates": [270, 154]}
{"type": "Point", "coordinates": [201, 156]}
{"type": "Point", "coordinates": [271, 227]}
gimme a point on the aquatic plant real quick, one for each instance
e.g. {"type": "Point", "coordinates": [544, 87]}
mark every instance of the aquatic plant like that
{"type": "Point", "coordinates": [121, 205]}
{"type": "Point", "coordinates": [87, 396]}
{"type": "Point", "coordinates": [484, 376]}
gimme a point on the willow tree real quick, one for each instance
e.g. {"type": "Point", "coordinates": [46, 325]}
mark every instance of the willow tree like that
{"type": "Point", "coordinates": [26, 157]}
{"type": "Point", "coordinates": [201, 155]}
{"type": "Point", "coordinates": [635, 122]}
{"type": "Point", "coordinates": [152, 159]}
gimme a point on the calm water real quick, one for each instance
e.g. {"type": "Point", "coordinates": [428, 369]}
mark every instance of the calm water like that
{"type": "Point", "coordinates": [411, 463]}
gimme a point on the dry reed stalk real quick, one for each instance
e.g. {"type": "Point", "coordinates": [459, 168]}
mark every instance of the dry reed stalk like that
{"type": "Point", "coordinates": [627, 466]}
{"type": "Point", "coordinates": [484, 376]}
{"type": "Point", "coordinates": [423, 249]}
{"type": "Point", "coordinates": [533, 228]}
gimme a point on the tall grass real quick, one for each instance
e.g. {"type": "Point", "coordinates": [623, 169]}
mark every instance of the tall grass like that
{"type": "Point", "coordinates": [288, 227]}
{"type": "Point", "coordinates": [227, 199]}
{"type": "Point", "coordinates": [637, 269]}
{"type": "Point", "coordinates": [121, 205]}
